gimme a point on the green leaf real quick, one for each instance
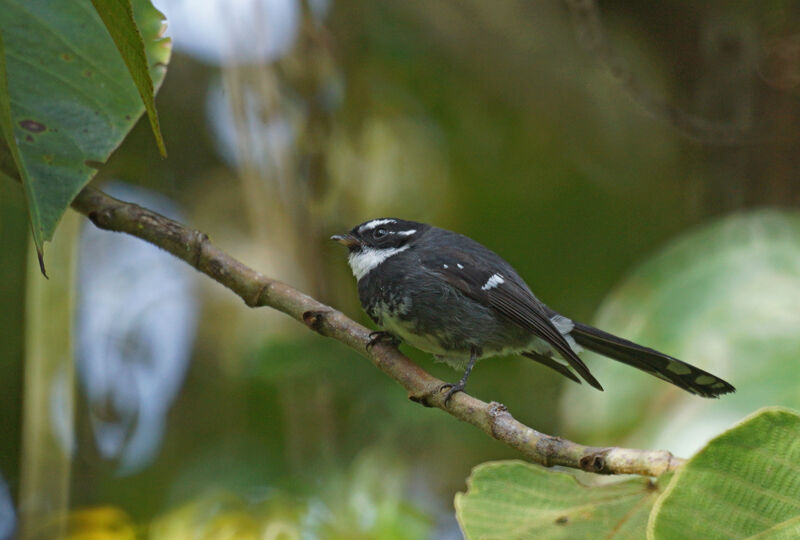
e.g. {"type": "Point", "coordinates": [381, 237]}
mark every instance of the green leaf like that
{"type": "Point", "coordinates": [788, 530]}
{"type": "Point", "coordinates": [514, 499]}
{"type": "Point", "coordinates": [117, 15]}
{"type": "Point", "coordinates": [723, 297]}
{"type": "Point", "coordinates": [71, 97]}
{"type": "Point", "coordinates": [6, 124]}
{"type": "Point", "coordinates": [7, 132]}
{"type": "Point", "coordinates": [745, 483]}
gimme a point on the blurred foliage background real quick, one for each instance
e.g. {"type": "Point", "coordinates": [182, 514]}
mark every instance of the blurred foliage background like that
{"type": "Point", "coordinates": [574, 156]}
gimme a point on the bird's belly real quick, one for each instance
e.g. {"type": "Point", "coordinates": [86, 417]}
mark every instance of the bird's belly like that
{"type": "Point", "coordinates": [453, 326]}
{"type": "Point", "coordinates": [405, 330]}
{"type": "Point", "coordinates": [455, 355]}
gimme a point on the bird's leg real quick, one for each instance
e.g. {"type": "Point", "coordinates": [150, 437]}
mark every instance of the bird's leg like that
{"type": "Point", "coordinates": [382, 336]}
{"type": "Point", "coordinates": [459, 387]}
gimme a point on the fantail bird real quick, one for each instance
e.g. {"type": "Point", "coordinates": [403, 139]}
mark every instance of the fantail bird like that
{"type": "Point", "coordinates": [446, 294]}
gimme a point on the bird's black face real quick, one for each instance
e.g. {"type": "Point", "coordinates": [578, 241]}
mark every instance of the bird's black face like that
{"type": "Point", "coordinates": [381, 234]}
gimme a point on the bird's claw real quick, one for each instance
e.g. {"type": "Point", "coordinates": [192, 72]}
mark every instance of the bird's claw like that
{"type": "Point", "coordinates": [382, 336]}
{"type": "Point", "coordinates": [453, 389]}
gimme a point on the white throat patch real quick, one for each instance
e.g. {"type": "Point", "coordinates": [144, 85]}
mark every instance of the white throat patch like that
{"type": "Point", "coordinates": [364, 261]}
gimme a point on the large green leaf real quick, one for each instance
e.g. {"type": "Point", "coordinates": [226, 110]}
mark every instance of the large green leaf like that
{"type": "Point", "coordinates": [514, 499]}
{"type": "Point", "coordinates": [723, 297]}
{"type": "Point", "coordinates": [744, 484]}
{"type": "Point", "coordinates": [72, 98]}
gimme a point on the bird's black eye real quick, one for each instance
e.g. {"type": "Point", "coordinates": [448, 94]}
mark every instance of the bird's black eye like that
{"type": "Point", "coordinates": [379, 233]}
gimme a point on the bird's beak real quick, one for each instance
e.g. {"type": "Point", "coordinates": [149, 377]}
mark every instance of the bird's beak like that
{"type": "Point", "coordinates": [347, 239]}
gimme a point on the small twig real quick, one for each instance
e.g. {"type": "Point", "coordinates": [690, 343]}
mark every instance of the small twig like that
{"type": "Point", "coordinates": [258, 290]}
{"type": "Point", "coordinates": [592, 35]}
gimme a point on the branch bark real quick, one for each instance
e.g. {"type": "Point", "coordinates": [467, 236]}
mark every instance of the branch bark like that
{"type": "Point", "coordinates": [258, 290]}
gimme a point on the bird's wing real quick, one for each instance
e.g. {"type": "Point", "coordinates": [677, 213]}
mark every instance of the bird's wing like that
{"type": "Point", "coordinates": [498, 287]}
{"type": "Point", "coordinates": [546, 360]}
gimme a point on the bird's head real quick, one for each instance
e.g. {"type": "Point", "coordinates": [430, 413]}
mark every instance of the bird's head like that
{"type": "Point", "coordinates": [374, 241]}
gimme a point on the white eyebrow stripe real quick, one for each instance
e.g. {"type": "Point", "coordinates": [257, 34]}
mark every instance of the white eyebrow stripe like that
{"type": "Point", "coordinates": [407, 233]}
{"type": "Point", "coordinates": [493, 281]}
{"type": "Point", "coordinates": [375, 223]}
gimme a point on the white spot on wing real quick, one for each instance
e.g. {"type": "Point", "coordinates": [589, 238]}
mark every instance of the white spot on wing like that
{"type": "Point", "coordinates": [445, 266]}
{"type": "Point", "coordinates": [459, 265]}
{"type": "Point", "coordinates": [565, 325]}
{"type": "Point", "coordinates": [492, 282]}
{"type": "Point", "coordinates": [562, 324]}
{"type": "Point", "coordinates": [577, 349]}
{"type": "Point", "coordinates": [368, 226]}
{"type": "Point", "coordinates": [362, 262]}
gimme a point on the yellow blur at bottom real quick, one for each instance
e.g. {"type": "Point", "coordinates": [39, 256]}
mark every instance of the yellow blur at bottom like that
{"type": "Point", "coordinates": [97, 523]}
{"type": "Point", "coordinates": [215, 517]}
{"type": "Point", "coordinates": [226, 517]}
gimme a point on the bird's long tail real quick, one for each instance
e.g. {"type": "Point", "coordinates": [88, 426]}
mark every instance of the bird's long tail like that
{"type": "Point", "coordinates": [660, 365]}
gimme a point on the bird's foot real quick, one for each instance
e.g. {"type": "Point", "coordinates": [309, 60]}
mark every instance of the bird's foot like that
{"type": "Point", "coordinates": [382, 336]}
{"type": "Point", "coordinates": [452, 389]}
{"type": "Point", "coordinates": [460, 385]}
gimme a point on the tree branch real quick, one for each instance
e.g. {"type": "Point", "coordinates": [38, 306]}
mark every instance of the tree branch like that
{"type": "Point", "coordinates": [258, 290]}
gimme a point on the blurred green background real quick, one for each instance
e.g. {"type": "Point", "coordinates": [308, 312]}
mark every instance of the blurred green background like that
{"type": "Point", "coordinates": [495, 119]}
